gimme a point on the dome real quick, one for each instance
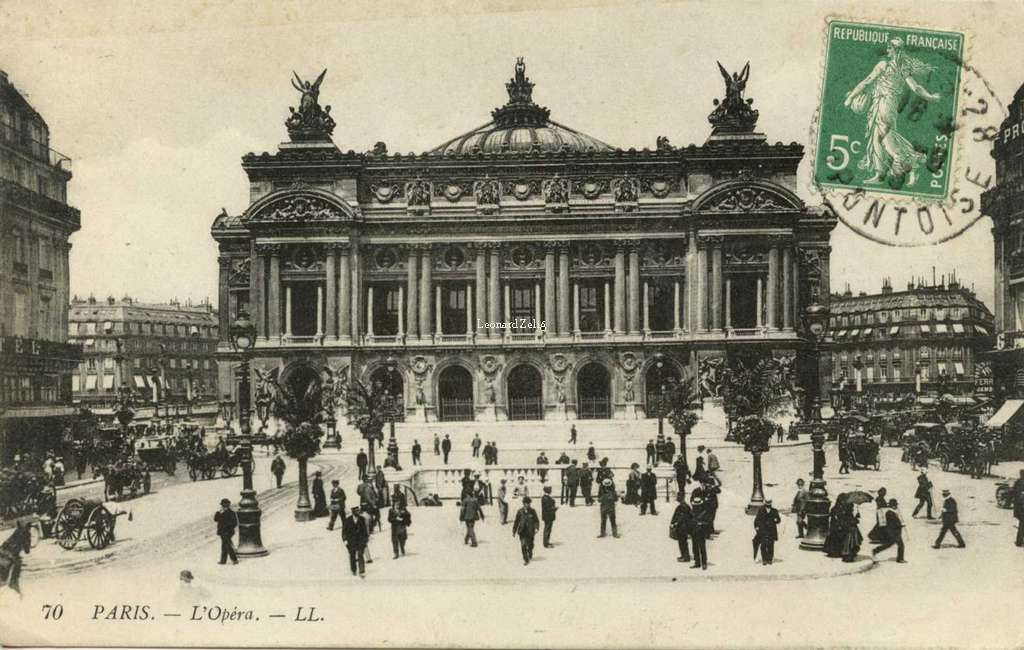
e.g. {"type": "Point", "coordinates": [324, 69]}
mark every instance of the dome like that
{"type": "Point", "coordinates": [521, 126]}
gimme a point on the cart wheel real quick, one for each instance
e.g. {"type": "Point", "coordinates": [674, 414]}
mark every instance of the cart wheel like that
{"type": "Point", "coordinates": [97, 529]}
{"type": "Point", "coordinates": [192, 473]}
{"type": "Point", "coordinates": [229, 469]}
{"type": "Point", "coordinates": [64, 526]}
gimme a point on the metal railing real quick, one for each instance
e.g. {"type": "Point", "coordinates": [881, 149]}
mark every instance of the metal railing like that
{"type": "Point", "coordinates": [525, 408]}
{"type": "Point", "coordinates": [24, 141]}
{"type": "Point", "coordinates": [456, 409]}
{"type": "Point", "coordinates": [594, 408]}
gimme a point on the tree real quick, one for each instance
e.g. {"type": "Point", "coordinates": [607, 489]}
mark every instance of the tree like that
{"type": "Point", "coordinates": [682, 400]}
{"type": "Point", "coordinates": [753, 395]}
{"type": "Point", "coordinates": [302, 417]}
{"type": "Point", "coordinates": [367, 409]}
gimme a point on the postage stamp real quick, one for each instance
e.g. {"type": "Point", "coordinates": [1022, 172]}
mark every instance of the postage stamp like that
{"type": "Point", "coordinates": [888, 110]}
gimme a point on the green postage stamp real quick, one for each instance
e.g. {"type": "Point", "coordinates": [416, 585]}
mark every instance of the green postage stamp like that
{"type": "Point", "coordinates": [888, 109]}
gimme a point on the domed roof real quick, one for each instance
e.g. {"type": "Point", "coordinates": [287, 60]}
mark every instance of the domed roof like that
{"type": "Point", "coordinates": [521, 126]}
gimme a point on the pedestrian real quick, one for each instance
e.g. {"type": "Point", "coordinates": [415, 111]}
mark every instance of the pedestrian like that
{"type": "Point", "coordinates": [950, 518]}
{"type": "Point", "coordinates": [417, 451]}
{"type": "Point", "coordinates": [682, 474]}
{"type": "Point", "coordinates": [319, 496]}
{"type": "Point", "coordinates": [542, 460]}
{"type": "Point", "coordinates": [766, 531]}
{"type": "Point", "coordinates": [878, 534]}
{"type": "Point", "coordinates": [361, 462]}
{"type": "Point", "coordinates": [393, 452]}
{"type": "Point", "coordinates": [680, 527]}
{"type": "Point", "coordinates": [380, 486]}
{"type": "Point", "coordinates": [650, 452]}
{"type": "Point", "coordinates": [572, 434]}
{"type": "Point", "coordinates": [572, 481]}
{"type": "Point", "coordinates": [519, 490]}
{"type": "Point", "coordinates": [368, 501]}
{"type": "Point", "coordinates": [337, 503]}
{"type": "Point", "coordinates": [525, 527]}
{"type": "Point", "coordinates": [400, 520]}
{"type": "Point", "coordinates": [603, 471]}
{"type": "Point", "coordinates": [470, 513]}
{"type": "Point", "coordinates": [713, 467]}
{"type": "Point", "coordinates": [659, 449]}
{"type": "Point", "coordinates": [894, 526]}
{"type": "Point", "coordinates": [547, 514]}
{"type": "Point", "coordinates": [437, 445]}
{"type": "Point", "coordinates": [699, 473]}
{"type": "Point", "coordinates": [648, 491]}
{"type": "Point", "coordinates": [398, 497]}
{"type": "Point", "coordinates": [800, 508]}
{"type": "Point", "coordinates": [923, 495]}
{"type": "Point", "coordinates": [670, 451]}
{"type": "Point", "coordinates": [355, 535]}
{"type": "Point", "coordinates": [778, 433]}
{"type": "Point", "coordinates": [633, 486]}
{"type": "Point", "coordinates": [466, 482]}
{"type": "Point", "coordinates": [699, 533]}
{"type": "Point", "coordinates": [607, 496]}
{"type": "Point", "coordinates": [591, 452]}
{"type": "Point", "coordinates": [1018, 507]}
{"type": "Point", "coordinates": [852, 537]}
{"type": "Point", "coordinates": [503, 501]}
{"type": "Point", "coordinates": [476, 445]}
{"type": "Point", "coordinates": [446, 447]}
{"type": "Point", "coordinates": [494, 452]}
{"type": "Point", "coordinates": [844, 453]}
{"type": "Point", "coordinates": [563, 459]}
{"type": "Point", "coordinates": [277, 468]}
{"type": "Point", "coordinates": [58, 471]}
{"type": "Point", "coordinates": [227, 522]}
{"type": "Point", "coordinates": [586, 483]}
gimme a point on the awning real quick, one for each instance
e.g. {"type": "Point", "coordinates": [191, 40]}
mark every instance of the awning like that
{"type": "Point", "coordinates": [140, 382]}
{"type": "Point", "coordinates": [894, 330]}
{"type": "Point", "coordinates": [854, 333]}
{"type": "Point", "coordinates": [959, 368]}
{"type": "Point", "coordinates": [868, 330]}
{"type": "Point", "coordinates": [925, 329]}
{"type": "Point", "coordinates": [941, 328]}
{"type": "Point", "coordinates": [958, 328]}
{"type": "Point", "coordinates": [1005, 413]}
{"type": "Point", "coordinates": [108, 381]}
{"type": "Point", "coordinates": [980, 330]}
{"type": "Point", "coordinates": [90, 382]}
{"type": "Point", "coordinates": [841, 334]}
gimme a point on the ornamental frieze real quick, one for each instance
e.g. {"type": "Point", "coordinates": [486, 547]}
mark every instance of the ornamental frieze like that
{"type": "Point", "coordinates": [661, 253]}
{"type": "Point", "coordinates": [386, 192]}
{"type": "Point", "coordinates": [452, 190]}
{"type": "Point", "coordinates": [300, 208]}
{"type": "Point", "coordinates": [417, 196]}
{"type": "Point", "coordinates": [239, 273]}
{"type": "Point", "coordinates": [745, 256]}
{"type": "Point", "coordinates": [386, 258]}
{"type": "Point", "coordinates": [660, 186]}
{"type": "Point", "coordinates": [626, 191]}
{"type": "Point", "coordinates": [591, 254]}
{"type": "Point", "coordinates": [747, 199]}
{"type": "Point", "coordinates": [523, 257]}
{"type": "Point", "coordinates": [521, 189]}
{"type": "Point", "coordinates": [488, 196]}
{"type": "Point", "coordinates": [453, 258]}
{"type": "Point", "coordinates": [556, 194]}
{"type": "Point", "coordinates": [590, 188]}
{"type": "Point", "coordinates": [303, 257]}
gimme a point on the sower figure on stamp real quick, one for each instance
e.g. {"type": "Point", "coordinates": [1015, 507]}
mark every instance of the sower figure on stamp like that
{"type": "Point", "coordinates": [227, 522]}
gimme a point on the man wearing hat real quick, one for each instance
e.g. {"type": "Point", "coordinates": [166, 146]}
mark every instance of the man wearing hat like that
{"type": "Point", "coordinates": [572, 482]}
{"type": "Point", "coordinates": [586, 481]}
{"type": "Point", "coordinates": [355, 534]}
{"type": "Point", "coordinates": [503, 501]}
{"type": "Point", "coordinates": [648, 491]}
{"type": "Point", "coordinates": [607, 496]}
{"type": "Point", "coordinates": [923, 495]}
{"type": "Point", "coordinates": [547, 513]}
{"type": "Point", "coordinates": [337, 503]}
{"type": "Point", "coordinates": [766, 531]}
{"type": "Point", "coordinates": [525, 527]}
{"type": "Point", "coordinates": [950, 518]}
{"type": "Point", "coordinates": [699, 533]}
{"type": "Point", "coordinates": [227, 521]}
{"type": "Point", "coordinates": [470, 513]}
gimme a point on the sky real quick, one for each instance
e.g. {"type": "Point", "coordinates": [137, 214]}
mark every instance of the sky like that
{"type": "Point", "coordinates": [157, 102]}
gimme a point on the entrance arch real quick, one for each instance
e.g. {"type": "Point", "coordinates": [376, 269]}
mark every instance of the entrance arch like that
{"type": "Point", "coordinates": [654, 379]}
{"type": "Point", "coordinates": [525, 393]}
{"type": "Point", "coordinates": [455, 395]}
{"type": "Point", "coordinates": [593, 392]}
{"type": "Point", "coordinates": [393, 383]}
{"type": "Point", "coordinates": [304, 383]}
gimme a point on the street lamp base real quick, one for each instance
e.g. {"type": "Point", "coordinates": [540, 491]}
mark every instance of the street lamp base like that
{"type": "Point", "coordinates": [333, 442]}
{"type": "Point", "coordinates": [250, 543]}
{"type": "Point", "coordinates": [303, 514]}
{"type": "Point", "coordinates": [817, 508]}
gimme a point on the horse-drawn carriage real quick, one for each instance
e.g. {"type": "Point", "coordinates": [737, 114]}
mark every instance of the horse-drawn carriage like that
{"type": "Point", "coordinates": [84, 517]}
{"type": "Point", "coordinates": [121, 475]}
{"type": "Point", "coordinates": [158, 452]}
{"type": "Point", "coordinates": [863, 453]}
{"type": "Point", "coordinates": [25, 493]}
{"type": "Point", "coordinates": [206, 464]}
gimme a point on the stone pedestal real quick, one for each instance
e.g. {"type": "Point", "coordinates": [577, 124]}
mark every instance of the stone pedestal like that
{"type": "Point", "coordinates": [489, 414]}
{"type": "Point", "coordinates": [556, 412]}
{"type": "Point", "coordinates": [419, 413]}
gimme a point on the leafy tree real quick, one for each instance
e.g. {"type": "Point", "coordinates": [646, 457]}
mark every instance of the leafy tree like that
{"type": "Point", "coordinates": [368, 407]}
{"type": "Point", "coordinates": [302, 416]}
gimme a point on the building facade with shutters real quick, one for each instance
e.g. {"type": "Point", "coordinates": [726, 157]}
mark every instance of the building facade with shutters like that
{"type": "Point", "coordinates": [927, 339]}
{"type": "Point", "coordinates": [522, 270]}
{"type": "Point", "coordinates": [161, 351]}
{"type": "Point", "coordinates": [36, 221]}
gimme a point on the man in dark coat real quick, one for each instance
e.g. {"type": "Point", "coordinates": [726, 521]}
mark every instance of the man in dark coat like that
{"type": "Point", "coordinates": [547, 514]}
{"type": "Point", "coordinates": [670, 450]}
{"type": "Point", "coordinates": [277, 468]}
{"type": "Point", "coordinates": [682, 474]}
{"type": "Point", "coordinates": [355, 535]}
{"type": "Point", "coordinates": [699, 533]}
{"type": "Point", "coordinates": [437, 445]}
{"type": "Point", "coordinates": [586, 482]}
{"type": "Point", "coordinates": [591, 453]}
{"type": "Point", "coordinates": [368, 500]}
{"type": "Point", "coordinates": [337, 503]}
{"type": "Point", "coordinates": [417, 451]}
{"type": "Point", "coordinates": [542, 459]}
{"type": "Point", "coordinates": [648, 491]}
{"type": "Point", "coordinates": [525, 527]}
{"type": "Point", "coordinates": [361, 461]}
{"type": "Point", "coordinates": [950, 518]}
{"type": "Point", "coordinates": [766, 531]}
{"type": "Point", "coordinates": [400, 520]}
{"type": "Point", "coordinates": [227, 521]}
{"type": "Point", "coordinates": [607, 496]}
{"type": "Point", "coordinates": [380, 484]}
{"type": "Point", "coordinates": [923, 495]}
{"type": "Point", "coordinates": [893, 531]}
{"type": "Point", "coordinates": [799, 507]}
{"type": "Point", "coordinates": [470, 513]}
{"type": "Point", "coordinates": [476, 444]}
{"type": "Point", "coordinates": [681, 526]}
{"type": "Point", "coordinates": [319, 496]}
{"type": "Point", "coordinates": [1018, 507]}
{"type": "Point", "coordinates": [446, 447]}
{"type": "Point", "coordinates": [494, 452]}
{"type": "Point", "coordinates": [572, 434]}
{"type": "Point", "coordinates": [572, 480]}
{"type": "Point", "coordinates": [650, 452]}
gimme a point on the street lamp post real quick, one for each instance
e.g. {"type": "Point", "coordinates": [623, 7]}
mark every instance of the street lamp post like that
{"type": "Point", "coordinates": [817, 505]}
{"type": "Point", "coordinates": [332, 439]}
{"type": "Point", "coordinates": [393, 401]}
{"type": "Point", "coordinates": [243, 336]}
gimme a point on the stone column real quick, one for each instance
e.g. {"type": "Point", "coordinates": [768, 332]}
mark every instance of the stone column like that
{"type": "Point", "coordinates": [319, 309]}
{"type": "Point", "coordinates": [287, 310]}
{"type": "Point", "coordinates": [773, 283]}
{"type": "Point", "coordinates": [620, 287]}
{"type": "Point", "coordinates": [796, 288]}
{"type": "Point", "coordinates": [647, 303]}
{"type": "Point", "coordinates": [65, 261]}
{"type": "Point", "coordinates": [564, 299]}
{"type": "Point", "coordinates": [493, 289]}
{"type": "Point", "coordinates": [760, 303]}
{"type": "Point", "coordinates": [412, 304]}
{"type": "Point", "coordinates": [549, 288]}
{"type": "Point", "coordinates": [675, 306]}
{"type": "Point", "coordinates": [437, 310]}
{"type": "Point", "coordinates": [469, 311]}
{"type": "Point", "coordinates": [634, 288]}
{"type": "Point", "coordinates": [787, 288]}
{"type": "Point", "coordinates": [508, 303]}
{"type": "Point", "coordinates": [356, 295]}
{"type": "Point", "coordinates": [702, 288]}
{"type": "Point", "coordinates": [537, 314]}
{"type": "Point", "coordinates": [481, 283]}
{"type": "Point", "coordinates": [607, 307]}
{"type": "Point", "coordinates": [256, 291]}
{"type": "Point", "coordinates": [717, 288]}
{"type": "Point", "coordinates": [728, 303]}
{"type": "Point", "coordinates": [576, 308]}
{"type": "Point", "coordinates": [344, 291]}
{"type": "Point", "coordinates": [223, 296]}
{"type": "Point", "coordinates": [274, 292]}
{"type": "Point", "coordinates": [369, 311]}
{"type": "Point", "coordinates": [401, 310]}
{"type": "Point", "coordinates": [426, 289]}
{"type": "Point", "coordinates": [331, 301]}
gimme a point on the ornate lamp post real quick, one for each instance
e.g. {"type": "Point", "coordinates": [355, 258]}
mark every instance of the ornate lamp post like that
{"type": "Point", "coordinates": [392, 398]}
{"type": "Point", "coordinates": [124, 411]}
{"type": "Point", "coordinates": [817, 505]}
{"type": "Point", "coordinates": [243, 337]}
{"type": "Point", "coordinates": [332, 439]}
{"type": "Point", "coordinates": [227, 410]}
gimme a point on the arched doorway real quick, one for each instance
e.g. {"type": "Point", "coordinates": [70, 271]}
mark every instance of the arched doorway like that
{"type": "Point", "coordinates": [392, 382]}
{"type": "Point", "coordinates": [525, 393]}
{"type": "Point", "coordinates": [455, 395]}
{"type": "Point", "coordinates": [658, 374]}
{"type": "Point", "coordinates": [593, 392]}
{"type": "Point", "coordinates": [304, 383]}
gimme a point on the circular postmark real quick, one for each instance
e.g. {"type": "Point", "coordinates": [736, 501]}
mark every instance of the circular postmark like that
{"type": "Point", "coordinates": [903, 134]}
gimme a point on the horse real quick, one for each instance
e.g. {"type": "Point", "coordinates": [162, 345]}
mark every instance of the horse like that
{"type": "Point", "coordinates": [10, 554]}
